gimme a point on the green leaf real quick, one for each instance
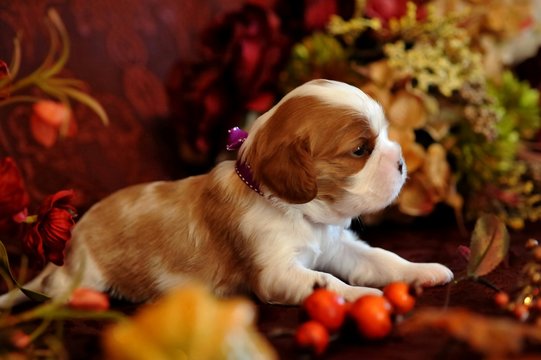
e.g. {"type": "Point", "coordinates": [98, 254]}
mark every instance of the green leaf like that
{"type": "Point", "coordinates": [489, 245]}
{"type": "Point", "coordinates": [87, 100]}
{"type": "Point", "coordinates": [4, 263]}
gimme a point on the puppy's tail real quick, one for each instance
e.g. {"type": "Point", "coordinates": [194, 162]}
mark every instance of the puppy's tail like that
{"type": "Point", "coordinates": [38, 284]}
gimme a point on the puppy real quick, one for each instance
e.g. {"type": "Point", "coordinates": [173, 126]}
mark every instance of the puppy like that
{"type": "Point", "coordinates": [274, 223]}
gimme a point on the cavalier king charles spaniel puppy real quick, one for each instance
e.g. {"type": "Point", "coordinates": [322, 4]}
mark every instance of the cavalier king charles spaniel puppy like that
{"type": "Point", "coordinates": [274, 223]}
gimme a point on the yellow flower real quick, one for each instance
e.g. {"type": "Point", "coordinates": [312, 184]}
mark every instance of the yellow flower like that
{"type": "Point", "coordinates": [189, 323]}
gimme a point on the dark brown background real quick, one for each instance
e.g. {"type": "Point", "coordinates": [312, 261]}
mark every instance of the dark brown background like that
{"type": "Point", "coordinates": [124, 51]}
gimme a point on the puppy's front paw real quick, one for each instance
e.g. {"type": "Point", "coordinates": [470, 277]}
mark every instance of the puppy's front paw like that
{"type": "Point", "coordinates": [428, 274]}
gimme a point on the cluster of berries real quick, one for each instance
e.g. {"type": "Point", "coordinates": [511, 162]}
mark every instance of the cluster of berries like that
{"type": "Point", "coordinates": [372, 315]}
{"type": "Point", "coordinates": [525, 304]}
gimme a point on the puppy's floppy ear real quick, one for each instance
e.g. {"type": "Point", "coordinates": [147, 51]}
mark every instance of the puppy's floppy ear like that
{"type": "Point", "coordinates": [288, 171]}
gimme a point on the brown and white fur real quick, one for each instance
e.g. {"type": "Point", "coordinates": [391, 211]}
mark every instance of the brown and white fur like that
{"type": "Point", "coordinates": [322, 157]}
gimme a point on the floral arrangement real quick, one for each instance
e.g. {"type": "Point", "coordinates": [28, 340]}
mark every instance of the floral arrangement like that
{"type": "Point", "coordinates": [467, 125]}
{"type": "Point", "coordinates": [463, 121]}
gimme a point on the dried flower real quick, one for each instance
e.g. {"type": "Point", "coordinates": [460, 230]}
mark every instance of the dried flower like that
{"type": "Point", "coordinates": [46, 240]}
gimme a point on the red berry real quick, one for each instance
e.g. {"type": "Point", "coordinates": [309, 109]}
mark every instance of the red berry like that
{"type": "Point", "coordinates": [313, 336]}
{"type": "Point", "coordinates": [89, 300]}
{"type": "Point", "coordinates": [372, 314]}
{"type": "Point", "coordinates": [501, 299]}
{"type": "Point", "coordinates": [398, 294]}
{"type": "Point", "coordinates": [521, 312]}
{"type": "Point", "coordinates": [326, 307]}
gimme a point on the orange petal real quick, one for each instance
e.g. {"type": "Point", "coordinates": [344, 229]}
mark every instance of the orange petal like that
{"type": "Point", "coordinates": [437, 168]}
{"type": "Point", "coordinates": [414, 155]}
{"type": "Point", "coordinates": [415, 199]}
{"type": "Point", "coordinates": [51, 112]}
{"type": "Point", "coordinates": [381, 73]}
{"type": "Point", "coordinates": [42, 132]}
{"type": "Point", "coordinates": [381, 95]}
{"type": "Point", "coordinates": [407, 111]}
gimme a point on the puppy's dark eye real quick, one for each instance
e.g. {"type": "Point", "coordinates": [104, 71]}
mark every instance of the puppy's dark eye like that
{"type": "Point", "coordinates": [361, 151]}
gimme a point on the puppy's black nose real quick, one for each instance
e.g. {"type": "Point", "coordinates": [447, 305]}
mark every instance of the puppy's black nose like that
{"type": "Point", "coordinates": [400, 166]}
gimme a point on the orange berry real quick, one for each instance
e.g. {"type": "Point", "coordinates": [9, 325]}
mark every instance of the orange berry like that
{"type": "Point", "coordinates": [326, 307]}
{"type": "Point", "coordinates": [501, 299]}
{"type": "Point", "coordinates": [89, 300]}
{"type": "Point", "coordinates": [398, 294]}
{"type": "Point", "coordinates": [372, 314]}
{"type": "Point", "coordinates": [312, 336]}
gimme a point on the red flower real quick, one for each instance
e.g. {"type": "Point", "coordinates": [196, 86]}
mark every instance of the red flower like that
{"type": "Point", "coordinates": [47, 238]}
{"type": "Point", "coordinates": [243, 54]}
{"type": "Point", "coordinates": [318, 13]}
{"type": "Point", "coordinates": [13, 195]}
{"type": "Point", "coordinates": [386, 10]}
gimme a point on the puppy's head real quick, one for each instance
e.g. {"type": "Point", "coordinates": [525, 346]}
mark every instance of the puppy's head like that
{"type": "Point", "coordinates": [326, 142]}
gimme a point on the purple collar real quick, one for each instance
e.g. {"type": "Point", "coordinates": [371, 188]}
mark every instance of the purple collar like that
{"type": "Point", "coordinates": [235, 139]}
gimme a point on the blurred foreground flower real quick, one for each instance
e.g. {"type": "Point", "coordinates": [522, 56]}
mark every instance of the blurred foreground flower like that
{"type": "Point", "coordinates": [47, 238]}
{"type": "Point", "coordinates": [189, 323]}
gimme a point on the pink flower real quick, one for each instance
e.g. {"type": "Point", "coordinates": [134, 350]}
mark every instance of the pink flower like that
{"type": "Point", "coordinates": [46, 240]}
{"type": "Point", "coordinates": [49, 120]}
{"type": "Point", "coordinates": [89, 300]}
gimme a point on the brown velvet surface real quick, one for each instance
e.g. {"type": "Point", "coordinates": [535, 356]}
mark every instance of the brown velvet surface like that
{"type": "Point", "coordinates": [417, 242]}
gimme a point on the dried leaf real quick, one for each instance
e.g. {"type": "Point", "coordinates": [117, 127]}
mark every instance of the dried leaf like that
{"type": "Point", "coordinates": [489, 245]}
{"type": "Point", "coordinates": [494, 337]}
